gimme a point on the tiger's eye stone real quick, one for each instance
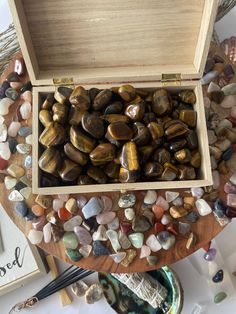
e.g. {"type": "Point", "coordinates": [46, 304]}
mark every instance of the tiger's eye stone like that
{"type": "Point", "coordinates": [192, 140]}
{"type": "Point", "coordinates": [141, 134]}
{"type": "Point", "coordinates": [84, 180]}
{"type": "Point", "coordinates": [188, 96]}
{"type": "Point", "coordinates": [93, 125]}
{"type": "Point", "coordinates": [75, 155]}
{"type": "Point", "coordinates": [75, 115]}
{"type": "Point", "coordinates": [82, 142]}
{"type": "Point", "coordinates": [113, 141]}
{"type": "Point", "coordinates": [186, 173]}
{"type": "Point", "coordinates": [60, 113]}
{"type": "Point", "coordinates": [127, 92]}
{"type": "Point", "coordinates": [129, 157]}
{"type": "Point", "coordinates": [62, 94]}
{"type": "Point", "coordinates": [120, 131]}
{"type": "Point", "coordinates": [183, 156]}
{"type": "Point", "coordinates": [178, 212]}
{"type": "Point", "coordinates": [114, 108]}
{"type": "Point", "coordinates": [145, 153]}
{"type": "Point", "coordinates": [80, 98]}
{"type": "Point", "coordinates": [156, 130]}
{"type": "Point", "coordinates": [54, 134]}
{"type": "Point", "coordinates": [93, 93]}
{"type": "Point", "coordinates": [50, 161]}
{"type": "Point", "coordinates": [102, 99]}
{"type": "Point", "coordinates": [196, 159]}
{"type": "Point", "coordinates": [111, 118]}
{"type": "Point", "coordinates": [176, 130]}
{"type": "Point", "coordinates": [189, 117]}
{"type": "Point", "coordinates": [102, 154]}
{"type": "Point", "coordinates": [112, 170]}
{"type": "Point", "coordinates": [48, 102]}
{"type": "Point", "coordinates": [48, 180]}
{"type": "Point", "coordinates": [126, 176]}
{"type": "Point", "coordinates": [161, 102]}
{"type": "Point", "coordinates": [135, 112]}
{"type": "Point", "coordinates": [69, 170]}
{"type": "Point", "coordinates": [152, 169]}
{"type": "Point", "coordinates": [169, 173]}
{"type": "Point", "coordinates": [149, 117]}
{"type": "Point", "coordinates": [45, 117]}
{"type": "Point", "coordinates": [97, 174]}
{"type": "Point", "coordinates": [161, 155]}
{"type": "Point", "coordinates": [177, 145]}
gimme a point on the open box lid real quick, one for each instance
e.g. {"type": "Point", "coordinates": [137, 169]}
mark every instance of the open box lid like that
{"type": "Point", "coordinates": [97, 41]}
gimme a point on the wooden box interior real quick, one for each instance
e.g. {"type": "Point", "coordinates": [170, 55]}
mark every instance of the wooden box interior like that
{"type": "Point", "coordinates": [204, 173]}
{"type": "Point", "coordinates": [113, 41]}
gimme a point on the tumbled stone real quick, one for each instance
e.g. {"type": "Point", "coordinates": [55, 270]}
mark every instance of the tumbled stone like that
{"type": "Point", "coordinates": [212, 138]}
{"type": "Point", "coordinates": [44, 200]}
{"type": "Point", "coordinates": [93, 125]}
{"type": "Point", "coordinates": [223, 145]}
{"type": "Point", "coordinates": [15, 196]}
{"type": "Point", "coordinates": [81, 201]}
{"type": "Point", "coordinates": [47, 232]}
{"type": "Point", "coordinates": [141, 134]}
{"type": "Point", "coordinates": [69, 170]}
{"type": "Point", "coordinates": [161, 103]}
{"type": "Point", "coordinates": [127, 200]}
{"type": "Point", "coordinates": [70, 240]}
{"type": "Point", "coordinates": [153, 169]}
{"type": "Point", "coordinates": [229, 89]}
{"type": "Point", "coordinates": [71, 205]}
{"type": "Point", "coordinates": [105, 218]}
{"type": "Point", "coordinates": [54, 134]}
{"type": "Point", "coordinates": [178, 211]}
{"type": "Point", "coordinates": [90, 224]}
{"type": "Point", "coordinates": [3, 164]}
{"type": "Point", "coordinates": [171, 196]}
{"type": "Point", "coordinates": [233, 179]}
{"type": "Point", "coordinates": [188, 96]}
{"type": "Point", "coordinates": [57, 233]}
{"type": "Point", "coordinates": [191, 242]}
{"type": "Point", "coordinates": [107, 203]}
{"type": "Point", "coordinates": [26, 96]}
{"type": "Point", "coordinates": [129, 156]}
{"type": "Point", "coordinates": [150, 197]}
{"type": "Point", "coordinates": [9, 182]}
{"type": "Point", "coordinates": [165, 220]}
{"type": "Point", "coordinates": [5, 152]}
{"type": "Point", "coordinates": [35, 236]}
{"type": "Point", "coordinates": [37, 210]}
{"type": "Point", "coordinates": [203, 207]}
{"type": "Point", "coordinates": [178, 201]}
{"type": "Point", "coordinates": [192, 217]}
{"type": "Point", "coordinates": [184, 228]}
{"type": "Point", "coordinates": [118, 257]}
{"type": "Point", "coordinates": [210, 255]}
{"type": "Point", "coordinates": [162, 203]}
{"type": "Point", "coordinates": [5, 104]}
{"type": "Point", "coordinates": [102, 154]}
{"type": "Point", "coordinates": [176, 130]}
{"type": "Point", "coordinates": [197, 192]}
{"type": "Point", "coordinates": [100, 234]}
{"type": "Point", "coordinates": [114, 224]}
{"type": "Point", "coordinates": [23, 148]}
{"type": "Point", "coordinates": [102, 99]}
{"type": "Point", "coordinates": [92, 208]}
{"type": "Point", "coordinates": [129, 213]}
{"type": "Point", "coordinates": [25, 131]}
{"type": "Point", "coordinates": [152, 260]}
{"type": "Point", "coordinates": [26, 180]}
{"type": "Point", "coordinates": [25, 110]}
{"type": "Point", "coordinates": [12, 143]}
{"type": "Point", "coordinates": [145, 251]}
{"type": "Point", "coordinates": [166, 239]}
{"type": "Point", "coordinates": [123, 240]}
{"type": "Point", "coordinates": [216, 179]}
{"type": "Point", "coordinates": [113, 237]}
{"type": "Point", "coordinates": [80, 98]}
{"type": "Point", "coordinates": [156, 130]}
{"type": "Point", "coordinates": [153, 243]}
{"type": "Point", "coordinates": [71, 223]}
{"type": "Point", "coordinates": [228, 102]}
{"type": "Point", "coordinates": [26, 192]}
{"type": "Point", "coordinates": [99, 249]}
{"type": "Point", "coordinates": [158, 211]}
{"type": "Point", "coordinates": [229, 188]}
{"type": "Point", "coordinates": [189, 117]}
{"type": "Point", "coordinates": [136, 239]}
{"type": "Point", "coordinates": [127, 92]}
{"type": "Point", "coordinates": [140, 224]}
{"type": "Point", "coordinates": [114, 108]}
{"type": "Point", "coordinates": [64, 214]}
{"type": "Point", "coordinates": [97, 174]}
{"type": "Point", "coordinates": [94, 293]}
{"type": "Point", "coordinates": [219, 297]}
{"type": "Point", "coordinates": [73, 255]}
{"type": "Point", "coordinates": [83, 235]}
{"type": "Point", "coordinates": [21, 208]}
{"type": "Point", "coordinates": [85, 250]}
{"type": "Point", "coordinates": [231, 200]}
{"type": "Point", "coordinates": [219, 276]}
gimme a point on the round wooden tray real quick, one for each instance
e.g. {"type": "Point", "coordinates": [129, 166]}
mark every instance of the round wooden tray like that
{"type": "Point", "coordinates": [205, 228]}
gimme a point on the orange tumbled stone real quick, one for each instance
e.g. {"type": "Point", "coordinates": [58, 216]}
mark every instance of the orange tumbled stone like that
{"type": "Point", "coordinates": [159, 227]}
{"type": "Point", "coordinates": [158, 211]}
{"type": "Point", "coordinates": [64, 214]}
{"type": "Point", "coordinates": [38, 210]}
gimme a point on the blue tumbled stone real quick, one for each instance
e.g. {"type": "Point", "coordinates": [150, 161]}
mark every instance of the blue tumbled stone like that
{"type": "Point", "coordinates": [28, 162]}
{"type": "Point", "coordinates": [12, 144]}
{"type": "Point", "coordinates": [99, 249]}
{"type": "Point", "coordinates": [192, 217]}
{"type": "Point", "coordinates": [219, 276]}
{"type": "Point", "coordinates": [227, 154]}
{"type": "Point", "coordinates": [21, 208]}
{"type": "Point", "coordinates": [12, 93]}
{"type": "Point", "coordinates": [25, 131]}
{"type": "Point", "coordinates": [92, 208]}
{"type": "Point", "coordinates": [219, 205]}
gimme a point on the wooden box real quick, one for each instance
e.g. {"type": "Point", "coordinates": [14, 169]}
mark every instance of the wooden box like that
{"type": "Point", "coordinates": [106, 43]}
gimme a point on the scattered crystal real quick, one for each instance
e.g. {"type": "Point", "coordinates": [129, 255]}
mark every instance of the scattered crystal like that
{"type": "Point", "coordinates": [83, 235]}
{"type": "Point", "coordinates": [26, 192]}
{"type": "Point", "coordinates": [100, 234]}
{"type": "Point", "coordinates": [5, 152]}
{"type": "Point", "coordinates": [105, 217]}
{"type": "Point", "coordinates": [107, 203]}
{"type": "Point", "coordinates": [94, 293]}
{"type": "Point", "coordinates": [118, 257]}
{"type": "Point", "coordinates": [35, 236]}
{"type": "Point", "coordinates": [219, 276]}
{"type": "Point", "coordinates": [145, 251]}
{"type": "Point", "coordinates": [5, 104]}
{"type": "Point", "coordinates": [127, 200]}
{"type": "Point", "coordinates": [71, 223]}
{"type": "Point", "coordinates": [129, 213]}
{"type": "Point", "coordinates": [99, 249]}
{"type": "Point", "coordinates": [162, 203]}
{"type": "Point", "coordinates": [9, 182]}
{"type": "Point", "coordinates": [210, 255]}
{"type": "Point", "coordinates": [85, 250]}
{"type": "Point", "coordinates": [153, 243]}
{"type": "Point", "coordinates": [25, 110]}
{"type": "Point", "coordinates": [166, 239]}
{"type": "Point", "coordinates": [150, 197]}
{"type": "Point", "coordinates": [47, 232]}
{"type": "Point", "coordinates": [15, 196]}
{"type": "Point", "coordinates": [92, 208]}
{"type": "Point", "coordinates": [114, 224]}
{"type": "Point", "coordinates": [79, 288]}
{"type": "Point", "coordinates": [113, 237]}
{"type": "Point", "coordinates": [136, 239]}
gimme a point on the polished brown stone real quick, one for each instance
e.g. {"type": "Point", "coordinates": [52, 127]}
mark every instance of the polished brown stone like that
{"type": "Point", "coordinates": [126, 176]}
{"type": "Point", "coordinates": [93, 93]}
{"type": "Point", "coordinates": [161, 155]}
{"type": "Point", "coordinates": [183, 156]}
{"type": "Point", "coordinates": [114, 108]}
{"type": "Point", "coordinates": [127, 92]}
{"type": "Point", "coordinates": [69, 170]}
{"type": "Point", "coordinates": [50, 161]}
{"type": "Point", "coordinates": [196, 159]}
{"type": "Point", "coordinates": [111, 118]}
{"type": "Point", "coordinates": [62, 94]}
{"type": "Point", "coordinates": [93, 124]}
{"type": "Point", "coordinates": [161, 103]}
{"type": "Point", "coordinates": [135, 112]}
{"type": "Point", "coordinates": [48, 102]}
{"type": "Point", "coordinates": [177, 145]}
{"type": "Point", "coordinates": [188, 96]}
{"type": "Point", "coordinates": [85, 180]}
{"type": "Point", "coordinates": [75, 115]}
{"type": "Point", "coordinates": [75, 155]}
{"type": "Point", "coordinates": [186, 173]}
{"type": "Point", "coordinates": [97, 174]}
{"type": "Point", "coordinates": [60, 113]}
{"type": "Point", "coordinates": [45, 117]}
{"type": "Point", "coordinates": [189, 117]}
{"type": "Point", "coordinates": [129, 157]}
{"type": "Point", "coordinates": [112, 170]}
{"type": "Point", "coordinates": [192, 140]}
{"type": "Point", "coordinates": [152, 169]}
{"type": "Point", "coordinates": [176, 130]}
{"type": "Point", "coordinates": [120, 131]}
{"type": "Point", "coordinates": [80, 98]}
{"type": "Point", "coordinates": [156, 130]}
{"type": "Point", "coordinates": [82, 142]}
{"type": "Point", "coordinates": [54, 134]}
{"type": "Point", "coordinates": [102, 154]}
{"type": "Point", "coordinates": [169, 173]}
{"type": "Point", "coordinates": [142, 135]}
{"type": "Point", "coordinates": [145, 153]}
{"type": "Point", "coordinates": [102, 99]}
{"type": "Point", "coordinates": [149, 117]}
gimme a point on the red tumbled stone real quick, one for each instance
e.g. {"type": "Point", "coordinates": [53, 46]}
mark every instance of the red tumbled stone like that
{"type": "Point", "coordinates": [159, 227]}
{"type": "Point", "coordinates": [125, 226]}
{"type": "Point", "coordinates": [3, 164]}
{"type": "Point", "coordinates": [64, 214]}
{"type": "Point", "coordinates": [172, 228]}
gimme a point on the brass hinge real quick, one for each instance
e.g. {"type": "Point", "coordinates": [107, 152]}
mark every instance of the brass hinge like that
{"type": "Point", "coordinates": [64, 81]}
{"type": "Point", "coordinates": [171, 79]}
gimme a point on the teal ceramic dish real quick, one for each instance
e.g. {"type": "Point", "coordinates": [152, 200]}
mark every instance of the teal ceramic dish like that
{"type": "Point", "coordinates": [124, 301]}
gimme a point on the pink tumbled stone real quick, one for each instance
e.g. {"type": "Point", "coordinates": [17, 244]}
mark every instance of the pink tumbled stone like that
{"type": "Point", "coordinates": [216, 179]}
{"type": "Point", "coordinates": [105, 218]}
{"type": "Point", "coordinates": [63, 197]}
{"type": "Point", "coordinates": [229, 188]}
{"type": "Point", "coordinates": [197, 192]}
{"type": "Point", "coordinates": [145, 251]}
{"type": "Point", "coordinates": [81, 201]}
{"type": "Point", "coordinates": [162, 202]}
{"type": "Point", "coordinates": [26, 96]}
{"type": "Point", "coordinates": [16, 85]}
{"type": "Point", "coordinates": [13, 128]}
{"type": "Point", "coordinates": [107, 203]}
{"type": "Point", "coordinates": [57, 204]}
{"type": "Point", "coordinates": [231, 200]}
{"type": "Point", "coordinates": [229, 101]}
{"type": "Point", "coordinates": [25, 110]}
{"type": "Point", "coordinates": [83, 235]}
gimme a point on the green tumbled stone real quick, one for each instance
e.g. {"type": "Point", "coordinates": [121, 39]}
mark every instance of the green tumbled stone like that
{"type": "Point", "coordinates": [73, 255]}
{"type": "Point", "coordinates": [136, 239]}
{"type": "Point", "coordinates": [70, 240]}
{"type": "Point", "coordinates": [152, 260]}
{"type": "Point", "coordinates": [219, 297]}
